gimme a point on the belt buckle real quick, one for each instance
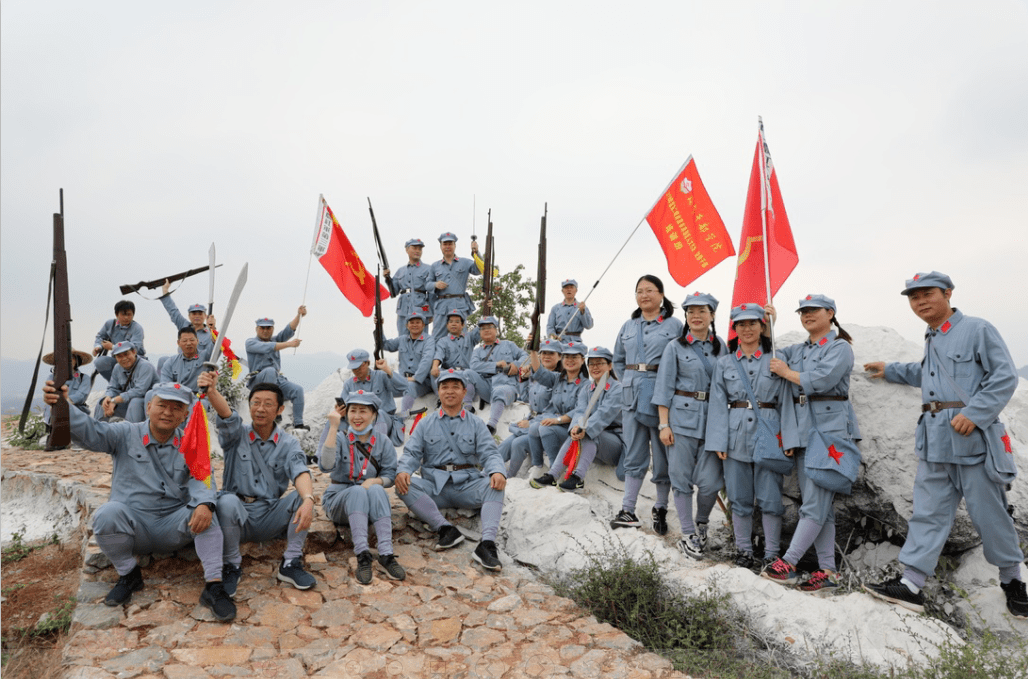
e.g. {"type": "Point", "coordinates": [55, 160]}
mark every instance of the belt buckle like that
{"type": "Point", "coordinates": [803, 399]}
{"type": "Point", "coordinates": [642, 367]}
{"type": "Point", "coordinates": [749, 405]}
{"type": "Point", "coordinates": [936, 407]}
{"type": "Point", "coordinates": [701, 396]}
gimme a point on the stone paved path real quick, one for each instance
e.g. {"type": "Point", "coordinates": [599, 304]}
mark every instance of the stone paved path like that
{"type": "Point", "coordinates": [449, 618]}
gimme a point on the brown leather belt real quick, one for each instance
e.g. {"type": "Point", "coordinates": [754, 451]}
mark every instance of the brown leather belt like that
{"type": "Point", "coordinates": [803, 398]}
{"type": "Point", "coordinates": [698, 395]}
{"type": "Point", "coordinates": [247, 499]}
{"type": "Point", "coordinates": [447, 296]}
{"type": "Point", "coordinates": [747, 404]}
{"type": "Point", "coordinates": [643, 367]}
{"type": "Point", "coordinates": [456, 467]}
{"type": "Point", "coordinates": [938, 406]}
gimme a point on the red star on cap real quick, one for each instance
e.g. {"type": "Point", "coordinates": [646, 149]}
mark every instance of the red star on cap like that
{"type": "Point", "coordinates": [809, 297]}
{"type": "Point", "coordinates": [695, 294]}
{"type": "Point", "coordinates": [742, 306]}
{"type": "Point", "coordinates": [360, 391]}
{"type": "Point", "coordinates": [177, 386]}
{"type": "Point", "coordinates": [917, 276]}
{"type": "Point", "coordinates": [835, 453]}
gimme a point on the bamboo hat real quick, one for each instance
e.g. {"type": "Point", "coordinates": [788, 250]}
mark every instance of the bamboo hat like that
{"type": "Point", "coordinates": [83, 357]}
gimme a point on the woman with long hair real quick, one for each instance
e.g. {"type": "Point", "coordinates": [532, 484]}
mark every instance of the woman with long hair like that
{"type": "Point", "coordinates": [546, 437]}
{"type": "Point", "coordinates": [819, 373]}
{"type": "Point", "coordinates": [681, 394]}
{"type": "Point", "coordinates": [637, 353]}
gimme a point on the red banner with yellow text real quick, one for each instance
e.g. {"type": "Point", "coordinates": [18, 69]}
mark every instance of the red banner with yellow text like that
{"type": "Point", "coordinates": [688, 227]}
{"type": "Point", "coordinates": [336, 254]}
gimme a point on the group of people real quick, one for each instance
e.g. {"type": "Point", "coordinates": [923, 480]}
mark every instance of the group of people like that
{"type": "Point", "coordinates": [671, 398]}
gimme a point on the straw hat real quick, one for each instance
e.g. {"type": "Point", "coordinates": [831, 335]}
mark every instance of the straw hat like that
{"type": "Point", "coordinates": [83, 357]}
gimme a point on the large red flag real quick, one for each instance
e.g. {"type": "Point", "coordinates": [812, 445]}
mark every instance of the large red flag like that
{"type": "Point", "coordinates": [336, 254]}
{"type": "Point", "coordinates": [688, 227]}
{"type": "Point", "coordinates": [763, 203]}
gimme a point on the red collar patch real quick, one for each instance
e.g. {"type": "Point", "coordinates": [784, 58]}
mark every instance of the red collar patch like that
{"type": "Point", "coordinates": [253, 436]}
{"type": "Point", "coordinates": [146, 439]}
{"type": "Point", "coordinates": [944, 328]}
{"type": "Point", "coordinates": [758, 353]}
{"type": "Point", "coordinates": [367, 379]}
{"type": "Point", "coordinates": [689, 338]}
{"type": "Point", "coordinates": [822, 342]}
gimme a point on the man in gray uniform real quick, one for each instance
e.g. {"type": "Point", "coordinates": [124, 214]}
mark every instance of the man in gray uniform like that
{"type": "Point", "coordinates": [411, 286]}
{"type": "Point", "coordinates": [155, 504]}
{"type": "Point", "coordinates": [130, 380]}
{"type": "Point", "coordinates": [263, 353]}
{"type": "Point", "coordinates": [495, 362]}
{"type": "Point", "coordinates": [570, 314]}
{"type": "Point", "coordinates": [260, 462]}
{"type": "Point", "coordinates": [460, 467]}
{"type": "Point", "coordinates": [966, 377]}
{"type": "Point", "coordinates": [449, 276]}
{"type": "Point", "coordinates": [186, 366]}
{"type": "Point", "coordinates": [121, 328]}
{"type": "Point", "coordinates": [197, 320]}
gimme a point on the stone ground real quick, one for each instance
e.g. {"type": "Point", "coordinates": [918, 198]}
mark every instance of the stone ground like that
{"type": "Point", "coordinates": [448, 618]}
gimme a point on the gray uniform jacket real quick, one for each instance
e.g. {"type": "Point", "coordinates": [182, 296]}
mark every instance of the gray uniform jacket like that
{"type": "Point", "coordinates": [134, 383]}
{"type": "Point", "coordinates": [682, 369]}
{"type": "Point", "coordinates": [183, 370]}
{"type": "Point", "coordinates": [469, 443]}
{"type": "Point", "coordinates": [485, 357]}
{"type": "Point", "coordinates": [561, 313]}
{"type": "Point", "coordinates": [203, 335]}
{"type": "Point", "coordinates": [281, 453]}
{"type": "Point", "coordinates": [136, 479]}
{"type": "Point", "coordinates": [382, 385]}
{"type": "Point", "coordinates": [974, 355]}
{"type": "Point", "coordinates": [454, 351]}
{"type": "Point", "coordinates": [351, 467]}
{"type": "Point", "coordinates": [114, 333]}
{"type": "Point", "coordinates": [261, 355]}
{"type": "Point", "coordinates": [732, 430]}
{"type": "Point", "coordinates": [565, 395]}
{"type": "Point", "coordinates": [607, 412]}
{"type": "Point", "coordinates": [412, 289]}
{"type": "Point", "coordinates": [416, 355]}
{"type": "Point", "coordinates": [825, 369]}
{"type": "Point", "coordinates": [642, 341]}
{"type": "Point", "coordinates": [455, 275]}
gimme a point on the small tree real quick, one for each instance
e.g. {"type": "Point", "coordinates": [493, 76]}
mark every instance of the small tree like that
{"type": "Point", "coordinates": [513, 300]}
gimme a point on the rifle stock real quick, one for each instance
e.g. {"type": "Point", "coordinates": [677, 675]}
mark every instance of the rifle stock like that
{"type": "Point", "coordinates": [379, 334]}
{"type": "Point", "coordinates": [487, 275]}
{"type": "Point", "coordinates": [156, 283]}
{"type": "Point", "coordinates": [540, 285]}
{"type": "Point", "coordinates": [60, 421]}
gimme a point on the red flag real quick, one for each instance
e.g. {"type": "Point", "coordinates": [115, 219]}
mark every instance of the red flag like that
{"type": "Point", "coordinates": [571, 459]}
{"type": "Point", "coordinates": [336, 254]}
{"type": "Point", "coordinates": [688, 227]}
{"type": "Point", "coordinates": [196, 445]}
{"type": "Point", "coordinates": [763, 198]}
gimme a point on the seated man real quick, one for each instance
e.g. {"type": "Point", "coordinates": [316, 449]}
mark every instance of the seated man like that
{"type": "Point", "coordinates": [417, 349]}
{"type": "Point", "coordinates": [155, 504]}
{"type": "Point", "coordinates": [263, 353]}
{"type": "Point", "coordinates": [497, 363]}
{"type": "Point", "coordinates": [453, 349]}
{"type": "Point", "coordinates": [121, 328]}
{"type": "Point", "coordinates": [384, 384]}
{"type": "Point", "coordinates": [197, 320]}
{"type": "Point", "coordinates": [129, 382]}
{"type": "Point", "coordinates": [460, 467]}
{"type": "Point", "coordinates": [260, 461]}
{"type": "Point", "coordinates": [186, 366]}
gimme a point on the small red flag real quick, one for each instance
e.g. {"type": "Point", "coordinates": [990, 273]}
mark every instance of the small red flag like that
{"type": "Point", "coordinates": [336, 254]}
{"type": "Point", "coordinates": [688, 227]}
{"type": "Point", "coordinates": [196, 445]}
{"type": "Point", "coordinates": [764, 197]}
{"type": "Point", "coordinates": [571, 459]}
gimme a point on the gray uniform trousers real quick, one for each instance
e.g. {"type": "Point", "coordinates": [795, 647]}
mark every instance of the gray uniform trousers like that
{"type": "Point", "coordinates": [263, 519]}
{"type": "Point", "coordinates": [689, 464]}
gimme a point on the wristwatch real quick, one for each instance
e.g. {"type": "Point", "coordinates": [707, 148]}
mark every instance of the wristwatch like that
{"type": "Point", "coordinates": [662, 427]}
{"type": "Point", "coordinates": [209, 505]}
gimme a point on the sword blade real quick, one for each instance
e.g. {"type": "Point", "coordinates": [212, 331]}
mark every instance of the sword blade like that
{"type": "Point", "coordinates": [210, 296]}
{"type": "Point", "coordinates": [236, 291]}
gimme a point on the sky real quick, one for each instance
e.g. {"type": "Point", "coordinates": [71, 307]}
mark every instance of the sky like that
{"type": "Point", "coordinates": [898, 133]}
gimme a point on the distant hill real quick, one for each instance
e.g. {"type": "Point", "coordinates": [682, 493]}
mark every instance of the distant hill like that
{"type": "Point", "coordinates": [15, 375]}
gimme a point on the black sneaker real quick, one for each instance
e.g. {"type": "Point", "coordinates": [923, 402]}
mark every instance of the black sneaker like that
{"type": "Point", "coordinates": [215, 598]}
{"type": "Point", "coordinates": [301, 427]}
{"type": "Point", "coordinates": [543, 481]}
{"type": "Point", "coordinates": [660, 520]}
{"type": "Point", "coordinates": [745, 560]}
{"type": "Point", "coordinates": [292, 572]}
{"type": "Point", "coordinates": [392, 567]}
{"type": "Point", "coordinates": [895, 592]}
{"type": "Point", "coordinates": [625, 519]}
{"type": "Point", "coordinates": [701, 533]}
{"type": "Point", "coordinates": [230, 576]}
{"type": "Point", "coordinates": [491, 428]}
{"type": "Point", "coordinates": [121, 593]}
{"type": "Point", "coordinates": [486, 555]}
{"type": "Point", "coordinates": [364, 568]}
{"type": "Point", "coordinates": [573, 484]}
{"type": "Point", "coordinates": [449, 536]}
{"type": "Point", "coordinates": [1017, 600]}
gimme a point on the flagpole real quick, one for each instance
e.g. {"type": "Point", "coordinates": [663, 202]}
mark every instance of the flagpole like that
{"type": "Point", "coordinates": [764, 198]}
{"type": "Point", "coordinates": [310, 259]}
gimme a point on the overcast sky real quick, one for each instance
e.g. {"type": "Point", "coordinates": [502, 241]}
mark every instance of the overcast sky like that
{"type": "Point", "coordinates": [898, 131]}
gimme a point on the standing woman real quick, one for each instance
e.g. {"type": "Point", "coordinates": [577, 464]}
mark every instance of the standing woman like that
{"type": "Point", "coordinates": [681, 395]}
{"type": "Point", "coordinates": [637, 352]}
{"type": "Point", "coordinates": [819, 370]}
{"type": "Point", "coordinates": [732, 426]}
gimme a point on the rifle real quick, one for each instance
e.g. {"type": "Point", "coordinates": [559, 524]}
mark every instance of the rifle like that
{"type": "Point", "coordinates": [487, 275]}
{"type": "Point", "coordinates": [381, 251]}
{"type": "Point", "coordinates": [60, 421]}
{"type": "Point", "coordinates": [540, 286]}
{"type": "Point", "coordinates": [379, 335]}
{"type": "Point", "coordinates": [151, 285]}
